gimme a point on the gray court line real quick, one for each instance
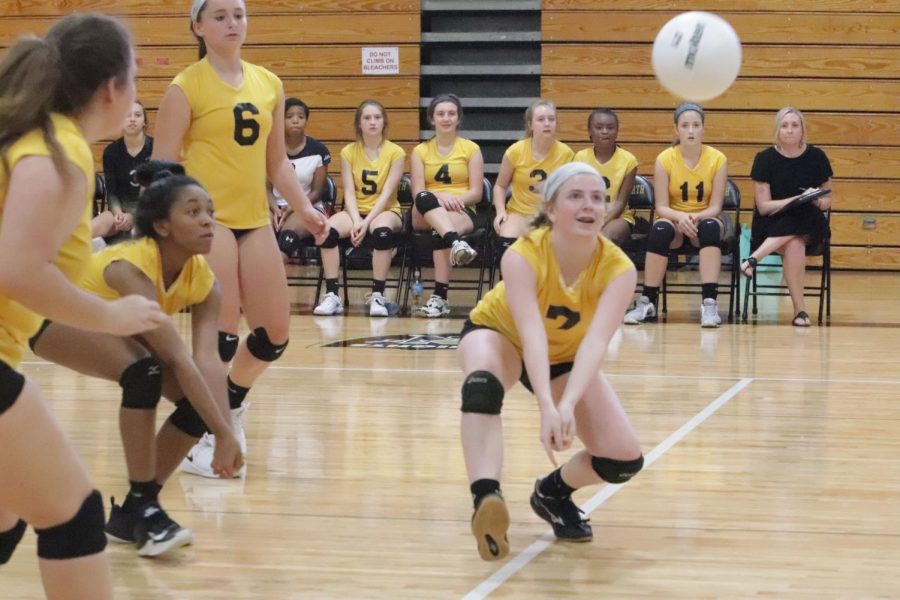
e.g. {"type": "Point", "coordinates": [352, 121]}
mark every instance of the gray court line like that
{"type": "Point", "coordinates": [519, 562]}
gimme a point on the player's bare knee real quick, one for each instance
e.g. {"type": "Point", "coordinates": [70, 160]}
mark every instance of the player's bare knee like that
{"type": "Point", "coordinates": [262, 348]}
{"type": "Point", "coordinates": [482, 393]}
{"type": "Point", "coordinates": [616, 471]}
{"type": "Point", "coordinates": [82, 535]}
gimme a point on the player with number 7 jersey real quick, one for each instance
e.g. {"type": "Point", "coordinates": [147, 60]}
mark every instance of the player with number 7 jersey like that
{"type": "Point", "coordinates": [224, 117]}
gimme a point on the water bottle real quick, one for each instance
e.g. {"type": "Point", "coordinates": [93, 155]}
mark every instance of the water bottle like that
{"type": "Point", "coordinates": [417, 288]}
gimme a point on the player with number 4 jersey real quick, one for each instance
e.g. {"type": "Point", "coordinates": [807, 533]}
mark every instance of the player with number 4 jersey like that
{"type": "Point", "coordinates": [224, 118]}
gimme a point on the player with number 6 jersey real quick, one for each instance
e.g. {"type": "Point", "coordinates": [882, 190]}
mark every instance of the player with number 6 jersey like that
{"type": "Point", "coordinates": [224, 117]}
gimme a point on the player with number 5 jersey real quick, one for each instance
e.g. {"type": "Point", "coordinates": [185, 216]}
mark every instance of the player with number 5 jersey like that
{"type": "Point", "coordinates": [224, 118]}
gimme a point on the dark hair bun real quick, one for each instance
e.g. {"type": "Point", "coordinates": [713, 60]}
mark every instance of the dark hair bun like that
{"type": "Point", "coordinates": [157, 170]}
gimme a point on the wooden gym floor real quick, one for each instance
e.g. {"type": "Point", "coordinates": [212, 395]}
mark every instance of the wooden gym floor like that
{"type": "Point", "coordinates": [772, 470]}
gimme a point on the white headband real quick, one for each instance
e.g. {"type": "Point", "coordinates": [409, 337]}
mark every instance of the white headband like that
{"type": "Point", "coordinates": [195, 9]}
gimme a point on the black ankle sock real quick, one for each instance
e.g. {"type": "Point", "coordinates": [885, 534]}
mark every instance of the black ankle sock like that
{"type": "Point", "coordinates": [450, 237]}
{"type": "Point", "coordinates": [236, 394]}
{"type": "Point", "coordinates": [710, 290]}
{"type": "Point", "coordinates": [440, 289]}
{"type": "Point", "coordinates": [652, 293]}
{"type": "Point", "coordinates": [553, 485]}
{"type": "Point", "coordinates": [141, 493]}
{"type": "Point", "coordinates": [482, 488]}
{"type": "Point", "coordinates": [331, 286]}
{"type": "Point", "coordinates": [378, 286]}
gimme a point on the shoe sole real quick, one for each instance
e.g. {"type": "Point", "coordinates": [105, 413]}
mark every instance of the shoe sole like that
{"type": "Point", "coordinates": [189, 467]}
{"type": "Point", "coordinates": [489, 526]}
{"type": "Point", "coordinates": [329, 314]}
{"type": "Point", "coordinates": [114, 539]}
{"type": "Point", "coordinates": [542, 512]}
{"type": "Point", "coordinates": [184, 537]}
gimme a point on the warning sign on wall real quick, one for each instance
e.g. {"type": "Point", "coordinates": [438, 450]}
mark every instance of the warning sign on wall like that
{"type": "Point", "coordinates": [381, 61]}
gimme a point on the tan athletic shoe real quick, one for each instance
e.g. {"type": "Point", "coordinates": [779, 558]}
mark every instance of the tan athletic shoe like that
{"type": "Point", "coordinates": [489, 526]}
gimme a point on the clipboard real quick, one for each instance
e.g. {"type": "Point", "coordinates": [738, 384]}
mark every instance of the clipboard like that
{"type": "Point", "coordinates": [804, 199]}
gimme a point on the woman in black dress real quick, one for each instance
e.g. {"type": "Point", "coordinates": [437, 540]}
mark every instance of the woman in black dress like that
{"type": "Point", "coordinates": [781, 174]}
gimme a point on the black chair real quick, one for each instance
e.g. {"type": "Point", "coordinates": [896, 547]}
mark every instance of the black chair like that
{"type": "Point", "coordinates": [421, 244]}
{"type": "Point", "coordinates": [680, 258]}
{"type": "Point", "coordinates": [100, 201]}
{"type": "Point", "coordinates": [309, 255]}
{"type": "Point", "coordinates": [821, 291]}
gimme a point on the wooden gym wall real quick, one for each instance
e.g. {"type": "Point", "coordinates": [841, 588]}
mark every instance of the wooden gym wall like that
{"type": "Point", "coordinates": [836, 60]}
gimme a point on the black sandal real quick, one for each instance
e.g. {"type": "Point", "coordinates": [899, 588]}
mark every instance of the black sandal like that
{"type": "Point", "coordinates": [751, 264]}
{"type": "Point", "coordinates": [801, 315]}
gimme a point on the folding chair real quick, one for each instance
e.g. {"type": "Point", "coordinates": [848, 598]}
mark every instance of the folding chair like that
{"type": "Point", "coordinates": [822, 291]}
{"type": "Point", "coordinates": [309, 254]}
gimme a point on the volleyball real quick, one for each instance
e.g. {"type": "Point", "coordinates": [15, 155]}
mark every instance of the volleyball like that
{"type": "Point", "coordinates": [697, 56]}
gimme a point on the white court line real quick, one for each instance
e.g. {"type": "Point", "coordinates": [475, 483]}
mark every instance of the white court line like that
{"type": "Point", "coordinates": [523, 558]}
{"type": "Point", "coordinates": [41, 363]}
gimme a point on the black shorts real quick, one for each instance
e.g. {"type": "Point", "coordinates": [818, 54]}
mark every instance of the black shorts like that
{"type": "Point", "coordinates": [11, 384]}
{"type": "Point", "coordinates": [239, 233]}
{"type": "Point", "coordinates": [556, 370]}
{"type": "Point", "coordinates": [33, 339]}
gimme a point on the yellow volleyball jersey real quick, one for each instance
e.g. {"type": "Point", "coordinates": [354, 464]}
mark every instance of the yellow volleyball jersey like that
{"type": "Point", "coordinates": [529, 173]}
{"type": "Point", "coordinates": [449, 174]}
{"type": "Point", "coordinates": [567, 310]}
{"type": "Point", "coordinates": [690, 189]}
{"type": "Point", "coordinates": [192, 285]}
{"type": "Point", "coordinates": [369, 176]}
{"type": "Point", "coordinates": [613, 172]}
{"type": "Point", "coordinates": [18, 323]}
{"type": "Point", "coordinates": [225, 145]}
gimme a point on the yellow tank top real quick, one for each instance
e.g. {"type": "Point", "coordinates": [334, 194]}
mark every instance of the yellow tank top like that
{"type": "Point", "coordinates": [690, 189]}
{"type": "Point", "coordinates": [529, 173]}
{"type": "Point", "coordinates": [192, 285]}
{"type": "Point", "coordinates": [450, 173]}
{"type": "Point", "coordinates": [225, 145]}
{"type": "Point", "coordinates": [369, 176]}
{"type": "Point", "coordinates": [613, 172]}
{"type": "Point", "coordinates": [567, 310]}
{"type": "Point", "coordinates": [17, 323]}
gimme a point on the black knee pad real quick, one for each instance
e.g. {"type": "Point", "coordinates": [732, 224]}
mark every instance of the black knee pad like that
{"type": "Point", "coordinates": [482, 393]}
{"type": "Point", "coordinates": [289, 242]}
{"type": "Point", "coordinates": [11, 384]}
{"type": "Point", "coordinates": [261, 347]}
{"type": "Point", "coordinates": [83, 535]}
{"type": "Point", "coordinates": [142, 384]}
{"type": "Point", "coordinates": [426, 201]}
{"type": "Point", "coordinates": [382, 238]}
{"type": "Point", "coordinates": [661, 235]}
{"type": "Point", "coordinates": [9, 540]}
{"type": "Point", "coordinates": [228, 345]}
{"type": "Point", "coordinates": [332, 240]}
{"type": "Point", "coordinates": [185, 419]}
{"type": "Point", "coordinates": [503, 243]}
{"type": "Point", "coordinates": [616, 471]}
{"type": "Point", "coordinates": [709, 232]}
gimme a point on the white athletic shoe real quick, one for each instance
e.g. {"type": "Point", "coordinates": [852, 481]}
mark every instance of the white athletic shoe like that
{"type": "Point", "coordinates": [330, 305]}
{"type": "Point", "coordinates": [643, 311]}
{"type": "Point", "coordinates": [709, 313]}
{"type": "Point", "coordinates": [461, 253]}
{"type": "Point", "coordinates": [434, 308]}
{"type": "Point", "coordinates": [199, 460]}
{"type": "Point", "coordinates": [377, 304]}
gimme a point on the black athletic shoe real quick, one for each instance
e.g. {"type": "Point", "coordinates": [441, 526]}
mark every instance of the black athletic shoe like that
{"type": "Point", "coordinates": [155, 533]}
{"type": "Point", "coordinates": [563, 515]}
{"type": "Point", "coordinates": [120, 527]}
{"type": "Point", "coordinates": [490, 523]}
